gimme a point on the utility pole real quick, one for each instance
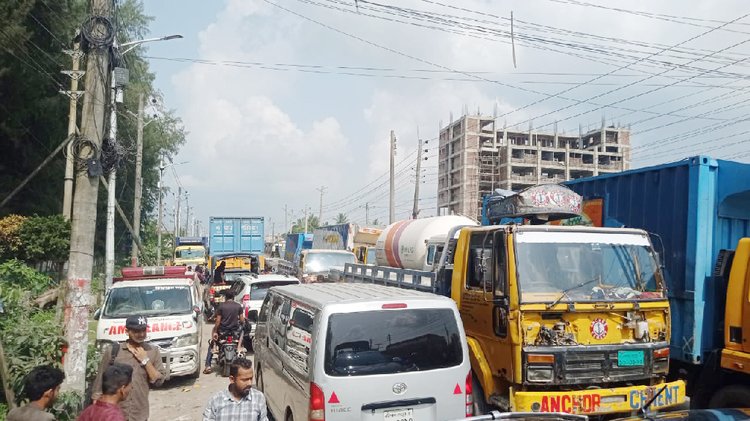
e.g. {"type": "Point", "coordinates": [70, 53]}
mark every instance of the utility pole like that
{"type": "Point", "coordinates": [322, 190]}
{"type": "Point", "coordinates": [417, 182]}
{"type": "Point", "coordinates": [109, 269]}
{"type": "Point", "coordinates": [75, 74]}
{"type": "Point", "coordinates": [138, 182]}
{"type": "Point", "coordinates": [83, 220]}
{"type": "Point", "coordinates": [286, 219]}
{"type": "Point", "coordinates": [187, 214]}
{"type": "Point", "coordinates": [161, 212]}
{"type": "Point", "coordinates": [367, 213]}
{"type": "Point", "coordinates": [306, 219]}
{"type": "Point", "coordinates": [392, 203]}
{"type": "Point", "coordinates": [177, 214]}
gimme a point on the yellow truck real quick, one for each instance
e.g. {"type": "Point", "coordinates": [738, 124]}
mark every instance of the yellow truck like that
{"type": "Point", "coordinates": [558, 318]}
{"type": "Point", "coordinates": [190, 251]}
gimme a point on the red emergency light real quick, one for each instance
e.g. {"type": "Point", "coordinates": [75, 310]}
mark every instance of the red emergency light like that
{"type": "Point", "coordinates": [148, 272]}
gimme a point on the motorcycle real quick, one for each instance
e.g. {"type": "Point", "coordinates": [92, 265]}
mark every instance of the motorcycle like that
{"type": "Point", "coordinates": [228, 343]}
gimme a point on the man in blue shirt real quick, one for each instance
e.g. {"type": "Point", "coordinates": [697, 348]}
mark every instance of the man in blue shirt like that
{"type": "Point", "coordinates": [239, 401]}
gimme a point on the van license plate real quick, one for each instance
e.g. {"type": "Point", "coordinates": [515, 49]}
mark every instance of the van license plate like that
{"type": "Point", "coordinates": [399, 415]}
{"type": "Point", "coordinates": [630, 358]}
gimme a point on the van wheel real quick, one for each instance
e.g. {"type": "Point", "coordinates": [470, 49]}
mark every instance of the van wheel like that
{"type": "Point", "coordinates": [196, 374]}
{"type": "Point", "coordinates": [735, 396]}
{"type": "Point", "coordinates": [477, 396]}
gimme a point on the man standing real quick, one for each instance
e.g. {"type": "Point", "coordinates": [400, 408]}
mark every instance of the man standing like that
{"type": "Point", "coordinates": [41, 386]}
{"type": "Point", "coordinates": [148, 369]}
{"type": "Point", "coordinates": [219, 272]}
{"type": "Point", "coordinates": [229, 318]}
{"type": "Point", "coordinates": [239, 401]}
{"type": "Point", "coordinates": [116, 384]}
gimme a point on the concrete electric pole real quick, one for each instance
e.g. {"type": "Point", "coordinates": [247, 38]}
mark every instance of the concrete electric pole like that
{"type": "Point", "coordinates": [138, 181]}
{"type": "Point", "coordinates": [161, 212]}
{"type": "Point", "coordinates": [75, 74]}
{"type": "Point", "coordinates": [392, 203]}
{"type": "Point", "coordinates": [177, 214]}
{"type": "Point", "coordinates": [306, 219]}
{"type": "Point", "coordinates": [100, 33]}
{"type": "Point", "coordinates": [109, 261]}
{"type": "Point", "coordinates": [322, 190]}
{"type": "Point", "coordinates": [417, 182]}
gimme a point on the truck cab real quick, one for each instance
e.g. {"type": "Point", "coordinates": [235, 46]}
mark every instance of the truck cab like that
{"type": "Point", "coordinates": [551, 311]}
{"type": "Point", "coordinates": [190, 251]}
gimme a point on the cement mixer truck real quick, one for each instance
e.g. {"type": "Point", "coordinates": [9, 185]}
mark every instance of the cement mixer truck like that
{"type": "Point", "coordinates": [558, 318]}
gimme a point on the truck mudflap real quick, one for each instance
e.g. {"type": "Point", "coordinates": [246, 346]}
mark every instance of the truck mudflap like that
{"type": "Point", "coordinates": [600, 401]}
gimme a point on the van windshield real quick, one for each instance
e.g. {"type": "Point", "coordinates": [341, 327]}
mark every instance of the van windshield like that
{"type": "Point", "coordinates": [157, 300]}
{"type": "Point", "coordinates": [382, 342]}
{"type": "Point", "coordinates": [191, 253]}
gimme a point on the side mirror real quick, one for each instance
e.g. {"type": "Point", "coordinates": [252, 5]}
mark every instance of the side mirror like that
{"type": "Point", "coordinates": [97, 314]}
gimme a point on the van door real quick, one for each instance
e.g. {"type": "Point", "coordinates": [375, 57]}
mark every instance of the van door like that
{"type": "Point", "coordinates": [296, 359]}
{"type": "Point", "coordinates": [279, 317]}
{"type": "Point", "coordinates": [267, 354]}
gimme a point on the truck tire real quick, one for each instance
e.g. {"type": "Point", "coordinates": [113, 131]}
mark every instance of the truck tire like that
{"type": "Point", "coordinates": [477, 395]}
{"type": "Point", "coordinates": [734, 396]}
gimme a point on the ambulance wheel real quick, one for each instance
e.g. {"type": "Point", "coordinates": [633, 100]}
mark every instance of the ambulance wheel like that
{"type": "Point", "coordinates": [477, 396]}
{"type": "Point", "coordinates": [735, 396]}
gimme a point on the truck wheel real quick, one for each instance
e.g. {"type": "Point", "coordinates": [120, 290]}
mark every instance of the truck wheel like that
{"type": "Point", "coordinates": [477, 396]}
{"type": "Point", "coordinates": [735, 396]}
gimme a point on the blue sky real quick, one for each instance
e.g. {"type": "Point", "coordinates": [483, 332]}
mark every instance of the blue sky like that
{"type": "Point", "coordinates": [268, 133]}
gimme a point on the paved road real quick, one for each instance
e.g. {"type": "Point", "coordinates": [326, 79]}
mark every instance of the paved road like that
{"type": "Point", "coordinates": [182, 399]}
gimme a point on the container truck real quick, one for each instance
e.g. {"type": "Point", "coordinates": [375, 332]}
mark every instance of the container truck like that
{"type": "Point", "coordinates": [190, 251]}
{"type": "Point", "coordinates": [698, 210]}
{"type": "Point", "coordinates": [558, 318]}
{"type": "Point", "coordinates": [235, 235]}
{"type": "Point", "coordinates": [295, 243]}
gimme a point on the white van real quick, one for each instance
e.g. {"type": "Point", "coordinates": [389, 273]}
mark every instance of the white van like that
{"type": "Point", "coordinates": [169, 298]}
{"type": "Point", "coordinates": [338, 351]}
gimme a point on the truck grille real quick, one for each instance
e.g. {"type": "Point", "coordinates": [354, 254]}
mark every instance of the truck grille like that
{"type": "Point", "coordinates": [578, 367]}
{"type": "Point", "coordinates": [165, 343]}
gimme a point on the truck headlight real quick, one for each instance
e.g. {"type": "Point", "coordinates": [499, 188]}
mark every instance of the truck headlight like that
{"type": "Point", "coordinates": [539, 374]}
{"type": "Point", "coordinates": [186, 340]}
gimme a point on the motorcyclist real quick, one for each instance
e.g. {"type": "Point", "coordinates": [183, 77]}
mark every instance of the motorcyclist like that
{"type": "Point", "coordinates": [230, 317]}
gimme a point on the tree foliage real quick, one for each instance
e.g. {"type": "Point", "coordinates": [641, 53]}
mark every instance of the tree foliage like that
{"type": "Point", "coordinates": [10, 236]}
{"type": "Point", "coordinates": [299, 225]}
{"type": "Point", "coordinates": [45, 238]}
{"type": "Point", "coordinates": [342, 218]}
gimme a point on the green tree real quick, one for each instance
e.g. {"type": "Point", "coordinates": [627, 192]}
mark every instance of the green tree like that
{"type": "Point", "coordinates": [10, 236]}
{"type": "Point", "coordinates": [45, 238]}
{"type": "Point", "coordinates": [342, 218]}
{"type": "Point", "coordinates": [312, 223]}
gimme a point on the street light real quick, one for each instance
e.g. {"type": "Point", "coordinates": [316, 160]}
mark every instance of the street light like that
{"type": "Point", "coordinates": [116, 95]}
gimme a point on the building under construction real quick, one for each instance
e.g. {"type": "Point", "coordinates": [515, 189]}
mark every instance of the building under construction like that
{"type": "Point", "coordinates": [476, 158]}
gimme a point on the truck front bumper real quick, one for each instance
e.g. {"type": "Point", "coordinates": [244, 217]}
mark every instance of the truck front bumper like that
{"type": "Point", "coordinates": [600, 401]}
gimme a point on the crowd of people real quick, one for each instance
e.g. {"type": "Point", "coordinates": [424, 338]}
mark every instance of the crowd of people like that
{"type": "Point", "coordinates": [127, 372]}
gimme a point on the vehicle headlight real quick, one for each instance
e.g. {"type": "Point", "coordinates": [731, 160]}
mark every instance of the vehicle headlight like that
{"type": "Point", "coordinates": [186, 340]}
{"type": "Point", "coordinates": [539, 374]}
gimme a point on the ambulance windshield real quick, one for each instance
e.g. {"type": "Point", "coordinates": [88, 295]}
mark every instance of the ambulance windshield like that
{"type": "Point", "coordinates": [152, 300]}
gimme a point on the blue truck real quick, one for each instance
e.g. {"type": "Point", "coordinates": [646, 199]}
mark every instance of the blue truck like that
{"type": "Point", "coordinates": [236, 235]}
{"type": "Point", "coordinates": [697, 209]}
{"type": "Point", "coordinates": [295, 243]}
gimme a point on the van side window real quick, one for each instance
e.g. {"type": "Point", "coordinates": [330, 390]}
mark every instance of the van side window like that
{"type": "Point", "coordinates": [279, 319]}
{"type": "Point", "coordinates": [480, 260]}
{"type": "Point", "coordinates": [298, 336]}
{"type": "Point", "coordinates": [430, 254]}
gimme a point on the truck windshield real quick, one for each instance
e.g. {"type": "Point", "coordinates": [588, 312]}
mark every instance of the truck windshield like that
{"type": "Point", "coordinates": [158, 300]}
{"type": "Point", "coordinates": [323, 262]}
{"type": "Point", "coordinates": [191, 253]}
{"type": "Point", "coordinates": [383, 342]}
{"type": "Point", "coordinates": [580, 266]}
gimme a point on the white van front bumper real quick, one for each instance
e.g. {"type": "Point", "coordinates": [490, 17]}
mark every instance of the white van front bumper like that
{"type": "Point", "coordinates": [180, 361]}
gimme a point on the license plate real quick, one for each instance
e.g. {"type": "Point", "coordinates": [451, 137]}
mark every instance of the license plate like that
{"type": "Point", "coordinates": [399, 415]}
{"type": "Point", "coordinates": [219, 299]}
{"type": "Point", "coordinates": [630, 358]}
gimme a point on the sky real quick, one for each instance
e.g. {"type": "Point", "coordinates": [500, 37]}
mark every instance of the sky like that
{"type": "Point", "coordinates": [283, 97]}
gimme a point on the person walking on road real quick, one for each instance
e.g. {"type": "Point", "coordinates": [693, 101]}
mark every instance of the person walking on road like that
{"type": "Point", "coordinates": [230, 317]}
{"type": "Point", "coordinates": [116, 384]}
{"type": "Point", "coordinates": [148, 369]}
{"type": "Point", "coordinates": [41, 386]}
{"type": "Point", "coordinates": [239, 401]}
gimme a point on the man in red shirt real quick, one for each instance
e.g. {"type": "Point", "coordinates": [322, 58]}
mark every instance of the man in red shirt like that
{"type": "Point", "coordinates": [115, 388]}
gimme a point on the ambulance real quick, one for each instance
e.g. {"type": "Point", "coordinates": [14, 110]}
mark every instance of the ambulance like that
{"type": "Point", "coordinates": [168, 297]}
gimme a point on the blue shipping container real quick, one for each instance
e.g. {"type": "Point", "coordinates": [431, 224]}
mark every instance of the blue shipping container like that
{"type": "Point", "coordinates": [697, 207]}
{"type": "Point", "coordinates": [295, 243]}
{"type": "Point", "coordinates": [242, 234]}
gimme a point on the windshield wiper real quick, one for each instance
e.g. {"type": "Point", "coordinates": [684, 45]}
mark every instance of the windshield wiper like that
{"type": "Point", "coordinates": [564, 293]}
